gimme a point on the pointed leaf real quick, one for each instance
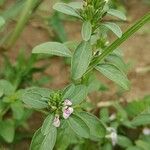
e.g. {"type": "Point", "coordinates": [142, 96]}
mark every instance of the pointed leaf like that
{"type": "Point", "coordinates": [117, 14]}
{"type": "Point", "coordinates": [52, 48]}
{"type": "Point", "coordinates": [114, 74]}
{"type": "Point", "coordinates": [66, 9]}
{"type": "Point", "coordinates": [81, 60]}
{"type": "Point", "coordinates": [143, 119]}
{"type": "Point", "coordinates": [114, 28]}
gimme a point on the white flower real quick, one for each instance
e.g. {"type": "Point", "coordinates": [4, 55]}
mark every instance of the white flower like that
{"type": "Point", "coordinates": [56, 121]}
{"type": "Point", "coordinates": [146, 131]}
{"type": "Point", "coordinates": [67, 102]}
{"type": "Point", "coordinates": [67, 112]}
{"type": "Point", "coordinates": [113, 136]}
{"type": "Point", "coordinates": [106, 1]}
{"type": "Point", "coordinates": [112, 117]}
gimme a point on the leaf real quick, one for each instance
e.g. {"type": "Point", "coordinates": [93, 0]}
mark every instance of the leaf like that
{"type": "Point", "coordinates": [50, 139]}
{"type": "Point", "coordinates": [114, 74]}
{"type": "Point", "coordinates": [133, 148]}
{"type": "Point", "coordinates": [117, 14]}
{"type": "Point", "coordinates": [36, 97]}
{"type": "Point", "coordinates": [52, 48]}
{"type": "Point", "coordinates": [7, 130]}
{"type": "Point", "coordinates": [76, 5]}
{"type": "Point", "coordinates": [66, 9]}
{"type": "Point", "coordinates": [78, 126]}
{"type": "Point", "coordinates": [143, 145]}
{"type": "Point", "coordinates": [114, 28]}
{"type": "Point", "coordinates": [138, 106]}
{"type": "Point", "coordinates": [68, 91]}
{"type": "Point", "coordinates": [6, 87]}
{"type": "Point", "coordinates": [142, 119]}
{"type": "Point", "coordinates": [97, 129]}
{"type": "Point", "coordinates": [17, 109]}
{"type": "Point", "coordinates": [47, 124]}
{"type": "Point", "coordinates": [81, 60]}
{"type": "Point", "coordinates": [124, 141]}
{"type": "Point", "coordinates": [78, 95]}
{"type": "Point", "coordinates": [86, 30]}
{"type": "Point", "coordinates": [118, 62]}
{"type": "Point", "coordinates": [37, 140]}
{"type": "Point", "coordinates": [2, 22]}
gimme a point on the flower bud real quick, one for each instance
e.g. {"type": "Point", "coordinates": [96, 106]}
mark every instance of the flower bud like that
{"type": "Point", "coordinates": [67, 112]}
{"type": "Point", "coordinates": [56, 121]}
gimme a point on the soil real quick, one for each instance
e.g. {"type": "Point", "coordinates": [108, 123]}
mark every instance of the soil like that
{"type": "Point", "coordinates": [136, 53]}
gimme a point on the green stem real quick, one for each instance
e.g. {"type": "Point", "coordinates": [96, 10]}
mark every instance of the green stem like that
{"type": "Point", "coordinates": [30, 5]}
{"type": "Point", "coordinates": [145, 19]}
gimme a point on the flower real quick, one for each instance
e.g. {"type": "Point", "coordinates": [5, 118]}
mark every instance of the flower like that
{"type": "Point", "coordinates": [113, 136]}
{"type": "Point", "coordinates": [56, 121]}
{"type": "Point", "coordinates": [146, 131]}
{"type": "Point", "coordinates": [67, 112]}
{"type": "Point", "coordinates": [67, 102]}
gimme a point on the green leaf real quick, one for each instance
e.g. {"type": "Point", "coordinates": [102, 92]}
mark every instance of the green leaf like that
{"type": "Point", "coordinates": [143, 145]}
{"type": "Point", "coordinates": [118, 62]}
{"type": "Point", "coordinates": [81, 60]}
{"type": "Point", "coordinates": [133, 148]}
{"type": "Point", "coordinates": [66, 9]}
{"type": "Point", "coordinates": [124, 141]}
{"type": "Point", "coordinates": [50, 139]}
{"type": "Point", "coordinates": [36, 97]}
{"type": "Point", "coordinates": [37, 140]}
{"type": "Point", "coordinates": [78, 95]}
{"type": "Point", "coordinates": [17, 109]}
{"type": "Point", "coordinates": [76, 5]}
{"type": "Point", "coordinates": [52, 48]}
{"type": "Point", "coordinates": [78, 126]}
{"type": "Point", "coordinates": [2, 22]}
{"type": "Point", "coordinates": [6, 87]}
{"type": "Point", "coordinates": [117, 14]}
{"type": "Point", "coordinates": [68, 91]}
{"type": "Point", "coordinates": [114, 28]}
{"type": "Point", "coordinates": [47, 124]}
{"type": "Point", "coordinates": [86, 30]}
{"type": "Point", "coordinates": [142, 119]}
{"type": "Point", "coordinates": [97, 129]}
{"type": "Point", "coordinates": [7, 130]}
{"type": "Point", "coordinates": [114, 74]}
{"type": "Point", "coordinates": [138, 106]}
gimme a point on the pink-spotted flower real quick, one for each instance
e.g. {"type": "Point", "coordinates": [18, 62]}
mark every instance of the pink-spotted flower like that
{"type": "Point", "coordinates": [56, 121]}
{"type": "Point", "coordinates": [67, 112]}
